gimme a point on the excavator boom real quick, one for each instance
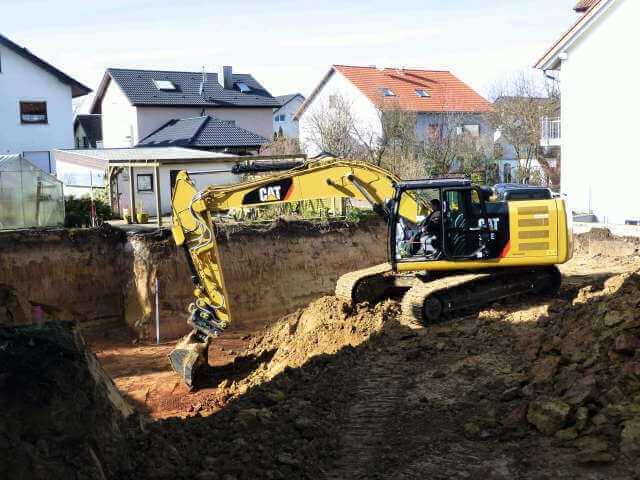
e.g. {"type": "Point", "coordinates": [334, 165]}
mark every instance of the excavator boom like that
{"type": "Point", "coordinates": [194, 229]}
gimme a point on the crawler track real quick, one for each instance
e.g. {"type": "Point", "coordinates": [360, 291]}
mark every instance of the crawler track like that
{"type": "Point", "coordinates": [430, 302]}
{"type": "Point", "coordinates": [366, 285]}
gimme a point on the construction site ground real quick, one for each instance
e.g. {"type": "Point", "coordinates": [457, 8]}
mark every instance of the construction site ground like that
{"type": "Point", "coordinates": [530, 387]}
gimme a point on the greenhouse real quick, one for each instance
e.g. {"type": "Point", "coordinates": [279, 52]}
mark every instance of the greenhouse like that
{"type": "Point", "coordinates": [29, 197]}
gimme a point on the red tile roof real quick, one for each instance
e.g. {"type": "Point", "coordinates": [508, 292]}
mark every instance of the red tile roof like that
{"type": "Point", "coordinates": [446, 92]}
{"type": "Point", "coordinates": [584, 5]}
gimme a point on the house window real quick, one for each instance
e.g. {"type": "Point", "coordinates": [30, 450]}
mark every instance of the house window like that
{"type": "Point", "coordinates": [281, 118]}
{"type": "Point", "coordinates": [144, 182]}
{"type": "Point", "coordinates": [422, 93]}
{"type": "Point", "coordinates": [387, 92]}
{"type": "Point", "coordinates": [33, 112]}
{"type": "Point", "coordinates": [473, 130]}
{"type": "Point", "coordinates": [166, 85]}
{"type": "Point", "coordinates": [243, 87]}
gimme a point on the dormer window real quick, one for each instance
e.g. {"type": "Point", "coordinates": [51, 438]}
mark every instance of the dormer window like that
{"type": "Point", "coordinates": [422, 93]}
{"type": "Point", "coordinates": [387, 92]}
{"type": "Point", "coordinates": [243, 87]}
{"type": "Point", "coordinates": [165, 85]}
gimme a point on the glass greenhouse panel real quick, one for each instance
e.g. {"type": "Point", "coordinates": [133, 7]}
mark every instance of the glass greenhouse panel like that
{"type": "Point", "coordinates": [29, 197]}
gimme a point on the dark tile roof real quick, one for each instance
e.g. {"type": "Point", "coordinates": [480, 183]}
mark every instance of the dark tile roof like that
{"type": "Point", "coordinates": [92, 126]}
{"type": "Point", "coordinates": [202, 132]}
{"type": "Point", "coordinates": [139, 87]}
{"type": "Point", "coordinates": [284, 99]}
{"type": "Point", "coordinates": [77, 88]}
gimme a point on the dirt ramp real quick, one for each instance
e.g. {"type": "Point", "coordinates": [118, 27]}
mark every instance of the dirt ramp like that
{"type": "Point", "coordinates": [62, 417]}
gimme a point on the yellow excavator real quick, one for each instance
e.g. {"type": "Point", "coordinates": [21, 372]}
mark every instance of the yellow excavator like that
{"type": "Point", "coordinates": [451, 244]}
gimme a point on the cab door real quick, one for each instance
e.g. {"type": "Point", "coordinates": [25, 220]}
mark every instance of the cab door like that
{"type": "Point", "coordinates": [466, 229]}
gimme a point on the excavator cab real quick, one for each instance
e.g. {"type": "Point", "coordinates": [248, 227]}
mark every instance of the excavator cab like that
{"type": "Point", "coordinates": [442, 219]}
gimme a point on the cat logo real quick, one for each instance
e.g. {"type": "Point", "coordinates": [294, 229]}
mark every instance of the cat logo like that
{"type": "Point", "coordinates": [270, 194]}
{"type": "Point", "coordinates": [277, 191]}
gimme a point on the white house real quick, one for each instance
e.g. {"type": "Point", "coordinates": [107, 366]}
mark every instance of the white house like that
{"type": "Point", "coordinates": [284, 121]}
{"type": "Point", "coordinates": [35, 106]}
{"type": "Point", "coordinates": [136, 103]}
{"type": "Point", "coordinates": [597, 63]}
{"type": "Point", "coordinates": [432, 95]}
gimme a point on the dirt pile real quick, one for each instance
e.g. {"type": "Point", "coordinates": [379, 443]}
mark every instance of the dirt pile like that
{"type": "Point", "coordinates": [62, 417]}
{"type": "Point", "coordinates": [323, 328]}
{"type": "Point", "coordinates": [582, 384]}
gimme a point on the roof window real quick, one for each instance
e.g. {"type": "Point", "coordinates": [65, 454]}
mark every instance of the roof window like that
{"type": "Point", "coordinates": [387, 92]}
{"type": "Point", "coordinates": [166, 85]}
{"type": "Point", "coordinates": [422, 93]}
{"type": "Point", "coordinates": [243, 87]}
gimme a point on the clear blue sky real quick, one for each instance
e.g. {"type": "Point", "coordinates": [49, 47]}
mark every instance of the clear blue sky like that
{"type": "Point", "coordinates": [288, 45]}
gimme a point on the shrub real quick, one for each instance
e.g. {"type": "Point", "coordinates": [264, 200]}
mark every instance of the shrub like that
{"type": "Point", "coordinates": [78, 211]}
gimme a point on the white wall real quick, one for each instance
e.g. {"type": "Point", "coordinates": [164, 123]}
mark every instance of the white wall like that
{"type": "Point", "coordinates": [600, 101]}
{"type": "Point", "coordinates": [119, 120]}
{"type": "Point", "coordinates": [21, 80]}
{"type": "Point", "coordinates": [257, 120]}
{"type": "Point", "coordinates": [289, 126]}
{"type": "Point", "coordinates": [148, 199]}
{"type": "Point", "coordinates": [363, 110]}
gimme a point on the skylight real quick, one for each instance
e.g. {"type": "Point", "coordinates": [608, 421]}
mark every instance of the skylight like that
{"type": "Point", "coordinates": [422, 93]}
{"type": "Point", "coordinates": [243, 87]}
{"type": "Point", "coordinates": [387, 92]}
{"type": "Point", "coordinates": [167, 85]}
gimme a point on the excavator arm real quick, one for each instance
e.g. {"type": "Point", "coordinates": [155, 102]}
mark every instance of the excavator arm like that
{"type": "Point", "coordinates": [194, 229]}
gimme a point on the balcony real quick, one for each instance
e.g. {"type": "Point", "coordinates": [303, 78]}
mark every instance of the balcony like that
{"type": "Point", "coordinates": [550, 132]}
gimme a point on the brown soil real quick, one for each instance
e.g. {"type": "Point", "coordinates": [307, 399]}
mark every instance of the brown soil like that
{"type": "Point", "coordinates": [62, 417]}
{"type": "Point", "coordinates": [531, 387]}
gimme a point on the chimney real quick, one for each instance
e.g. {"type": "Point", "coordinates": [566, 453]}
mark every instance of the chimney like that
{"type": "Point", "coordinates": [225, 77]}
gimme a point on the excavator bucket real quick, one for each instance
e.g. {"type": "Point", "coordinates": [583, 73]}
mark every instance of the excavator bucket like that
{"type": "Point", "coordinates": [189, 356]}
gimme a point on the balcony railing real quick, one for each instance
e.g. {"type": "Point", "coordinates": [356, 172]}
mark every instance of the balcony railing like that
{"type": "Point", "coordinates": [551, 133]}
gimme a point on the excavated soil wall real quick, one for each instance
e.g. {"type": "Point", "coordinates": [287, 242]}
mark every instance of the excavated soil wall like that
{"type": "Point", "coordinates": [269, 271]}
{"type": "Point", "coordinates": [105, 276]}
{"type": "Point", "coordinates": [72, 274]}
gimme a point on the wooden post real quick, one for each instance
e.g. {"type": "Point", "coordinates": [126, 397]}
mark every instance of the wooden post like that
{"type": "Point", "coordinates": [156, 172]}
{"type": "Point", "coordinates": [132, 198]}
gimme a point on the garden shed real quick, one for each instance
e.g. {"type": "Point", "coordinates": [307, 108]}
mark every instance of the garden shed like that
{"type": "Point", "coordinates": [29, 197]}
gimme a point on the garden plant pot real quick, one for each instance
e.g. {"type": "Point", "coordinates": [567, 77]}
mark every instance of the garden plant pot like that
{"type": "Point", "coordinates": [142, 217]}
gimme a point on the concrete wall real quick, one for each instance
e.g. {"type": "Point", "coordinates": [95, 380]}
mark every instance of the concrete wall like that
{"type": "Point", "coordinates": [103, 278]}
{"type": "Point", "coordinates": [364, 112]}
{"type": "Point", "coordinates": [21, 80]}
{"type": "Point", "coordinates": [147, 200]}
{"type": "Point", "coordinates": [289, 126]}
{"type": "Point", "coordinates": [600, 160]}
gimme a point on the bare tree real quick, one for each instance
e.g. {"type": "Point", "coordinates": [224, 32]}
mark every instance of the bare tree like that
{"type": "Point", "coordinates": [519, 105]}
{"type": "Point", "coordinates": [331, 128]}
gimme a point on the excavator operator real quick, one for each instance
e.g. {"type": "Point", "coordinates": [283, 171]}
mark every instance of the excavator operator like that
{"type": "Point", "coordinates": [427, 239]}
